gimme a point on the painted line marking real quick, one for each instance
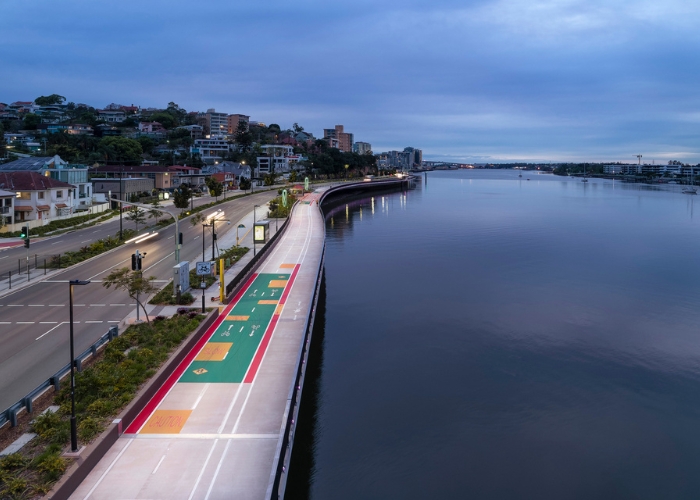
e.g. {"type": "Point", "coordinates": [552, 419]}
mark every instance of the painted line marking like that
{"type": "Point", "coordinates": [97, 305]}
{"type": "Point", "coordinates": [201, 395]}
{"type": "Point", "coordinates": [166, 422]}
{"type": "Point", "coordinates": [104, 474]}
{"type": "Point", "coordinates": [157, 466]}
{"type": "Point", "coordinates": [91, 321]}
{"type": "Point", "coordinates": [5, 322]}
{"type": "Point", "coordinates": [48, 322]}
{"type": "Point", "coordinates": [56, 305]}
{"type": "Point", "coordinates": [15, 305]}
{"type": "Point", "coordinates": [113, 322]}
{"type": "Point", "coordinates": [85, 242]}
{"type": "Point", "coordinates": [114, 305]}
{"type": "Point", "coordinates": [50, 331]}
{"type": "Point", "coordinates": [56, 242]}
{"type": "Point", "coordinates": [25, 322]}
{"type": "Point", "coordinates": [201, 473]}
{"type": "Point", "coordinates": [36, 305]}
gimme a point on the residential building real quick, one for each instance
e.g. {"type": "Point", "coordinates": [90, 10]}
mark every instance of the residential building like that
{"type": "Point", "coordinates": [127, 187]}
{"type": "Point", "coordinates": [407, 159]}
{"type": "Point", "coordinates": [216, 124]}
{"type": "Point", "coordinates": [345, 140]}
{"type": "Point", "coordinates": [111, 116]}
{"type": "Point", "coordinates": [191, 176]}
{"type": "Point", "coordinates": [72, 129]}
{"type": "Point", "coordinates": [150, 127]}
{"type": "Point", "coordinates": [644, 169]}
{"type": "Point", "coordinates": [232, 122]}
{"type": "Point", "coordinates": [362, 148]}
{"type": "Point", "coordinates": [211, 150]}
{"type": "Point", "coordinates": [272, 164]}
{"type": "Point", "coordinates": [161, 175]}
{"type": "Point", "coordinates": [106, 130]}
{"type": "Point", "coordinates": [238, 170]}
{"type": "Point", "coordinates": [228, 179]}
{"type": "Point", "coordinates": [56, 168]}
{"type": "Point", "coordinates": [7, 210]}
{"type": "Point", "coordinates": [196, 131]}
{"type": "Point", "coordinates": [37, 197]}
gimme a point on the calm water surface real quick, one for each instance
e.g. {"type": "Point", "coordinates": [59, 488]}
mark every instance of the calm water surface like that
{"type": "Point", "coordinates": [489, 337]}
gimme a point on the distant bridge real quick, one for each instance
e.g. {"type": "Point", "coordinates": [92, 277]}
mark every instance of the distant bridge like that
{"type": "Point", "coordinates": [443, 164]}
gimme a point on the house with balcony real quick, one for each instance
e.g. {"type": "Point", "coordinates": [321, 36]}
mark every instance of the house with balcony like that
{"type": "Point", "coordinates": [7, 207]}
{"type": "Point", "coordinates": [192, 176]}
{"type": "Point", "coordinates": [211, 150]}
{"type": "Point", "coordinates": [111, 115]}
{"type": "Point", "coordinates": [38, 198]}
{"type": "Point", "coordinates": [56, 168]}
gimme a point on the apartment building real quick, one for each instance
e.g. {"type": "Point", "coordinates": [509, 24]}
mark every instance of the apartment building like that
{"type": "Point", "coordinates": [233, 121]}
{"type": "Point", "coordinates": [345, 140]}
{"type": "Point", "coordinates": [362, 148]}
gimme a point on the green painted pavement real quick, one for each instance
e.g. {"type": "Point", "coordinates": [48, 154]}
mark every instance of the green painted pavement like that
{"type": "Point", "coordinates": [245, 335]}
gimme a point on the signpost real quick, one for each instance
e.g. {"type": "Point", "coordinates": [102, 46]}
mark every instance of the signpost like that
{"type": "Point", "coordinates": [204, 269]}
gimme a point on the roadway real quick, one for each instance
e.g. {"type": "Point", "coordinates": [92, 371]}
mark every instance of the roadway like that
{"type": "Point", "coordinates": [34, 330]}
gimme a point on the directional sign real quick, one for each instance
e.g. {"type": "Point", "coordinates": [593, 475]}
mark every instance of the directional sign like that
{"type": "Point", "coordinates": [306, 183]}
{"type": "Point", "coordinates": [204, 268]}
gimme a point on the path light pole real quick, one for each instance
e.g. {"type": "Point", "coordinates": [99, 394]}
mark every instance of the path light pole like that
{"type": "Point", "coordinates": [240, 226]}
{"type": "Point", "coordinates": [254, 207]}
{"type": "Point", "coordinates": [73, 425]}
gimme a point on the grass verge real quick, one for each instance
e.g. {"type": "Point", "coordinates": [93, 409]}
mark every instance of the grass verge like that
{"type": "Point", "coordinates": [68, 224]}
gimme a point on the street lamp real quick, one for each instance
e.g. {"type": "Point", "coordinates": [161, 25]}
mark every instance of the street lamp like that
{"type": "Point", "coordinates": [73, 425]}
{"type": "Point", "coordinates": [254, 207]}
{"type": "Point", "coordinates": [240, 226]}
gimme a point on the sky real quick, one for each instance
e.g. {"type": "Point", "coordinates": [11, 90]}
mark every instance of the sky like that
{"type": "Point", "coordinates": [465, 81]}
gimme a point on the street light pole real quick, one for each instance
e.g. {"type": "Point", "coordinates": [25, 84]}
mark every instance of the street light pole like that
{"type": "Point", "coordinates": [73, 424]}
{"type": "Point", "coordinates": [121, 197]}
{"type": "Point", "coordinates": [254, 207]}
{"type": "Point", "coordinates": [240, 226]}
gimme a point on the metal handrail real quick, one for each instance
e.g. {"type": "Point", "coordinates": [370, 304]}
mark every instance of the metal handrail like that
{"type": "Point", "coordinates": [10, 414]}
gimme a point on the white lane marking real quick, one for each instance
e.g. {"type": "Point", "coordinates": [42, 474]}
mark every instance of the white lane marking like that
{"type": "Point", "coordinates": [161, 260]}
{"type": "Point", "coordinates": [157, 466]}
{"type": "Point", "coordinates": [15, 305]}
{"type": "Point", "coordinates": [25, 322]}
{"type": "Point", "coordinates": [36, 305]}
{"type": "Point", "coordinates": [114, 305]}
{"type": "Point", "coordinates": [92, 321]}
{"type": "Point", "coordinates": [196, 237]}
{"type": "Point", "coordinates": [201, 473]}
{"type": "Point", "coordinates": [104, 474]}
{"type": "Point", "coordinates": [5, 322]}
{"type": "Point", "coordinates": [78, 305]}
{"type": "Point", "coordinates": [97, 305]}
{"type": "Point", "coordinates": [171, 237]}
{"type": "Point", "coordinates": [295, 317]}
{"type": "Point", "coordinates": [94, 233]}
{"type": "Point", "coordinates": [201, 395]}
{"type": "Point", "coordinates": [252, 310]}
{"type": "Point", "coordinates": [48, 322]}
{"type": "Point", "coordinates": [239, 331]}
{"type": "Point", "coordinates": [218, 468]}
{"type": "Point", "coordinates": [56, 305]}
{"type": "Point", "coordinates": [6, 256]}
{"type": "Point", "coordinates": [113, 322]}
{"type": "Point", "coordinates": [56, 242]}
{"type": "Point", "coordinates": [84, 242]}
{"type": "Point", "coordinates": [50, 331]}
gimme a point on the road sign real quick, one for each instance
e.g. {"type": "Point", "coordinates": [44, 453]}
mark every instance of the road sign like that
{"type": "Point", "coordinates": [204, 268]}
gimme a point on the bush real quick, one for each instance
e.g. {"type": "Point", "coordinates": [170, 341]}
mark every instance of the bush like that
{"type": "Point", "coordinates": [72, 223]}
{"type": "Point", "coordinates": [89, 428]}
{"type": "Point", "coordinates": [11, 462]}
{"type": "Point", "coordinates": [50, 465]}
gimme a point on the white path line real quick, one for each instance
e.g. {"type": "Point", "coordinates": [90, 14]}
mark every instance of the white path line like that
{"type": "Point", "coordinates": [104, 474]}
{"type": "Point", "coordinates": [50, 331]}
{"type": "Point", "coordinates": [218, 468]}
{"type": "Point", "coordinates": [56, 242]}
{"type": "Point", "coordinates": [201, 473]}
{"type": "Point", "coordinates": [161, 260]}
{"type": "Point", "coordinates": [157, 466]}
{"type": "Point", "coordinates": [201, 395]}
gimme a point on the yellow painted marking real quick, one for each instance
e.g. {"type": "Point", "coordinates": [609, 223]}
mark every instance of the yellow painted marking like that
{"type": "Point", "coordinates": [214, 351]}
{"type": "Point", "coordinates": [200, 371]}
{"type": "Point", "coordinates": [277, 284]}
{"type": "Point", "coordinates": [237, 318]}
{"type": "Point", "coordinates": [278, 309]}
{"type": "Point", "coordinates": [287, 266]}
{"type": "Point", "coordinates": [166, 422]}
{"type": "Point", "coordinates": [268, 302]}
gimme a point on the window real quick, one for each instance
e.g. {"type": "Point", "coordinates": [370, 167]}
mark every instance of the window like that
{"type": "Point", "coordinates": [41, 195]}
{"type": "Point", "coordinates": [59, 194]}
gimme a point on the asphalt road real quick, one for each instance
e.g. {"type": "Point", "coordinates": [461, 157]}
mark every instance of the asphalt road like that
{"type": "Point", "coordinates": [34, 329]}
{"type": "Point", "coordinates": [11, 259]}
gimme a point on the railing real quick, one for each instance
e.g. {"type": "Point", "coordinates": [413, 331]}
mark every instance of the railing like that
{"type": "Point", "coordinates": [4, 210]}
{"type": "Point", "coordinates": [10, 414]}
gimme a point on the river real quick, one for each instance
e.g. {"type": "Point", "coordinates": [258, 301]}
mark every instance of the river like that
{"type": "Point", "coordinates": [488, 336]}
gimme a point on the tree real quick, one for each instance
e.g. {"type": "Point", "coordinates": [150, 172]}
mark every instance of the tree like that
{"type": "Point", "coordinates": [269, 179]}
{"type": "Point", "coordinates": [164, 118]}
{"type": "Point", "coordinates": [181, 198]}
{"type": "Point", "coordinates": [297, 128]}
{"type": "Point", "coordinates": [293, 176]}
{"type": "Point", "coordinates": [215, 187]}
{"type": "Point", "coordinates": [31, 121]}
{"type": "Point", "coordinates": [120, 149]}
{"type": "Point", "coordinates": [243, 138]}
{"type": "Point", "coordinates": [244, 183]}
{"type": "Point", "coordinates": [133, 283]}
{"type": "Point", "coordinates": [154, 212]}
{"type": "Point", "coordinates": [49, 100]}
{"type": "Point", "coordinates": [137, 216]}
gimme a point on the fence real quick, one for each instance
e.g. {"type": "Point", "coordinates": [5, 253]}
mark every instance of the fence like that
{"type": "Point", "coordinates": [29, 268]}
{"type": "Point", "coordinates": [10, 414]}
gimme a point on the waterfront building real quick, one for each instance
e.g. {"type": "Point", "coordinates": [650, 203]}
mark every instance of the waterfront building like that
{"type": "Point", "coordinates": [345, 140]}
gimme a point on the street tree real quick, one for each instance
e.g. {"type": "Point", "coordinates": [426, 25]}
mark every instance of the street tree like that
{"type": "Point", "coordinates": [215, 187]}
{"type": "Point", "coordinates": [155, 211]}
{"type": "Point", "coordinates": [137, 216]}
{"type": "Point", "coordinates": [181, 197]}
{"type": "Point", "coordinates": [133, 283]}
{"type": "Point", "coordinates": [244, 183]}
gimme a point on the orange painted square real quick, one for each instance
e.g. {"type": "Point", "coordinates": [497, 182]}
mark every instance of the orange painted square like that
{"type": "Point", "coordinates": [214, 351]}
{"type": "Point", "coordinates": [278, 309]}
{"type": "Point", "coordinates": [237, 318]}
{"type": "Point", "coordinates": [166, 422]}
{"type": "Point", "coordinates": [277, 284]}
{"type": "Point", "coordinates": [268, 302]}
{"type": "Point", "coordinates": [287, 266]}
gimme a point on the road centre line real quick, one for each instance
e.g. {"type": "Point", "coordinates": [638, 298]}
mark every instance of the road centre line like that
{"type": "Point", "coordinates": [15, 305]}
{"type": "Point", "coordinates": [97, 305]}
{"type": "Point", "coordinates": [5, 322]}
{"type": "Point", "coordinates": [218, 468]}
{"type": "Point", "coordinates": [86, 241]}
{"type": "Point", "coordinates": [48, 322]}
{"type": "Point", "coordinates": [161, 260]}
{"type": "Point", "coordinates": [35, 305]}
{"type": "Point", "coordinates": [55, 242]}
{"type": "Point", "coordinates": [50, 330]}
{"type": "Point", "coordinates": [25, 322]}
{"type": "Point", "coordinates": [114, 305]}
{"type": "Point", "coordinates": [6, 256]}
{"type": "Point", "coordinates": [91, 321]}
{"type": "Point", "coordinates": [56, 305]}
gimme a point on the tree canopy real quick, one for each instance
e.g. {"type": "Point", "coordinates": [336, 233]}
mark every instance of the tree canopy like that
{"type": "Point", "coordinates": [49, 100]}
{"type": "Point", "coordinates": [120, 149]}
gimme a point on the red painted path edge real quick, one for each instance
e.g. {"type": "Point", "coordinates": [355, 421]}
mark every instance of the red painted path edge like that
{"type": "Point", "coordinates": [260, 353]}
{"type": "Point", "coordinates": [153, 403]}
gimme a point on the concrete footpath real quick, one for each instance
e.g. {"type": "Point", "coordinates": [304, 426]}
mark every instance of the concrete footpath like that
{"type": "Point", "coordinates": [215, 429]}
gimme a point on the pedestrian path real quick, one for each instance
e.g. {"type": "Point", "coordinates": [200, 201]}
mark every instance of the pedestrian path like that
{"type": "Point", "coordinates": [214, 429]}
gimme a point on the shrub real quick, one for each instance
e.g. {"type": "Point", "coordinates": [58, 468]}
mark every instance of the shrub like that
{"type": "Point", "coordinates": [50, 465]}
{"type": "Point", "coordinates": [89, 428]}
{"type": "Point", "coordinates": [14, 488]}
{"type": "Point", "coordinates": [13, 461]}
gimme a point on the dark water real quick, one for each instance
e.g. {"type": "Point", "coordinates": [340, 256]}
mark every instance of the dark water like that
{"type": "Point", "coordinates": [494, 338]}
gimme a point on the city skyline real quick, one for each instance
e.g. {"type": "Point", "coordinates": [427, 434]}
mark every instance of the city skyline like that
{"type": "Point", "coordinates": [477, 82]}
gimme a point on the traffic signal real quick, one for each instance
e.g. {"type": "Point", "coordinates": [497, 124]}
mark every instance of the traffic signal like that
{"type": "Point", "coordinates": [179, 238]}
{"type": "Point", "coordinates": [135, 262]}
{"type": "Point", "coordinates": [26, 243]}
{"type": "Point", "coordinates": [25, 232]}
